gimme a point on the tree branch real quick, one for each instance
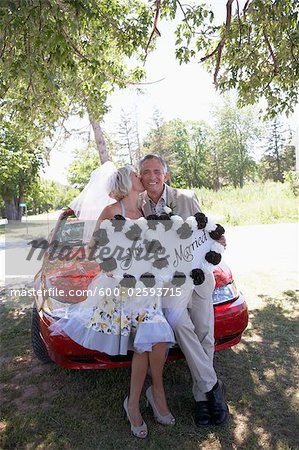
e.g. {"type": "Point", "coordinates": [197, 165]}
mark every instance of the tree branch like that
{"type": "Point", "coordinates": [246, 7]}
{"type": "Point", "coordinates": [5, 35]}
{"type": "Point", "coordinates": [209, 55]}
{"type": "Point", "coordinates": [4, 46]}
{"type": "Point", "coordinates": [222, 42]}
{"type": "Point", "coordinates": [269, 83]}
{"type": "Point", "coordinates": [154, 30]}
{"type": "Point", "coordinates": [134, 83]}
{"type": "Point", "coordinates": [275, 70]}
{"type": "Point", "coordinates": [145, 83]}
{"type": "Point", "coordinates": [28, 55]}
{"type": "Point", "coordinates": [240, 23]}
{"type": "Point", "coordinates": [40, 16]}
{"type": "Point", "coordinates": [183, 11]}
{"type": "Point", "coordinates": [76, 50]}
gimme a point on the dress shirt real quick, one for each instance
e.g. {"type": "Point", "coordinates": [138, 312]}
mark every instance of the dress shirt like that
{"type": "Point", "coordinates": [158, 208]}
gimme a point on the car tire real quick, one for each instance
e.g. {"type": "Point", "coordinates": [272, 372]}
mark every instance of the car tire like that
{"type": "Point", "coordinates": [38, 345]}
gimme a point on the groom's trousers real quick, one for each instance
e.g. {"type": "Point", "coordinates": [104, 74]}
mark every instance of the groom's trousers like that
{"type": "Point", "coordinates": [194, 333]}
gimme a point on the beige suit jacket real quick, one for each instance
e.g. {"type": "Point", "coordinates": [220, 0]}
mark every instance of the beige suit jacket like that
{"type": "Point", "coordinates": [184, 201]}
{"type": "Point", "coordinates": [194, 330]}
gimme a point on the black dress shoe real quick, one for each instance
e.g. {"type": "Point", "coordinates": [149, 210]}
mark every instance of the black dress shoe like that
{"type": "Point", "coordinates": [202, 413]}
{"type": "Point", "coordinates": [217, 404]}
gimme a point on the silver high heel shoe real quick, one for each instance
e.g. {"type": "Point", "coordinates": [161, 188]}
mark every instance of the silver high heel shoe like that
{"type": "Point", "coordinates": [163, 420]}
{"type": "Point", "coordinates": [141, 431]}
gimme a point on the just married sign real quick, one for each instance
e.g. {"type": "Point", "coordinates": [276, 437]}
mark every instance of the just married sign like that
{"type": "Point", "coordinates": [161, 248]}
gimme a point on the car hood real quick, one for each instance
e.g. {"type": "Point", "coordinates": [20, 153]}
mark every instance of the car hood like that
{"type": "Point", "coordinates": [71, 277]}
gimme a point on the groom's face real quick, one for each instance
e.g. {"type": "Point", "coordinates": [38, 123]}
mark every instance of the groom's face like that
{"type": "Point", "coordinates": [153, 177]}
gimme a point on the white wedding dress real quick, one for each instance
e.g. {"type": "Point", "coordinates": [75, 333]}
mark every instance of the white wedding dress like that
{"type": "Point", "coordinates": [115, 320]}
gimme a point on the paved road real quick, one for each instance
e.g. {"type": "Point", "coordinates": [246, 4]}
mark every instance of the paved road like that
{"type": "Point", "coordinates": [257, 248]}
{"type": "Point", "coordinates": [14, 247]}
{"type": "Point", "coordinates": [264, 260]}
{"type": "Point", "coordinates": [45, 216]}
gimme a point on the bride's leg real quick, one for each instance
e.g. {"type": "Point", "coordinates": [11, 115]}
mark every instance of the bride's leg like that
{"type": "Point", "coordinates": [138, 374]}
{"type": "Point", "coordinates": [156, 362]}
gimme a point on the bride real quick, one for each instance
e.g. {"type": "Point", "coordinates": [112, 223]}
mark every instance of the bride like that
{"type": "Point", "coordinates": [109, 324]}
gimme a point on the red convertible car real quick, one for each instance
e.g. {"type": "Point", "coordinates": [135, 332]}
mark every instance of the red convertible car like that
{"type": "Point", "coordinates": [58, 279]}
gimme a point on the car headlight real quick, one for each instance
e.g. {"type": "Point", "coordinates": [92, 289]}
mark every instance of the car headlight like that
{"type": "Point", "coordinates": [57, 303]}
{"type": "Point", "coordinates": [225, 293]}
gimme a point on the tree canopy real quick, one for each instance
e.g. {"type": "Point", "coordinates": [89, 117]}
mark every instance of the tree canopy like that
{"type": "Point", "coordinates": [58, 54]}
{"type": "Point", "coordinates": [201, 155]}
{"type": "Point", "coordinates": [279, 155]}
{"type": "Point", "coordinates": [235, 134]}
{"type": "Point", "coordinates": [61, 53]}
{"type": "Point", "coordinates": [255, 51]}
{"type": "Point", "coordinates": [80, 169]}
{"type": "Point", "coordinates": [63, 56]}
{"type": "Point", "coordinates": [184, 147]}
{"type": "Point", "coordinates": [21, 157]}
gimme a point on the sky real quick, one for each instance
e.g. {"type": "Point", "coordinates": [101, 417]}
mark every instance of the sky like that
{"type": "Point", "coordinates": [177, 91]}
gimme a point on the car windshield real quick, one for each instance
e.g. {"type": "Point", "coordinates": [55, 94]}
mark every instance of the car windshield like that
{"type": "Point", "coordinates": [70, 232]}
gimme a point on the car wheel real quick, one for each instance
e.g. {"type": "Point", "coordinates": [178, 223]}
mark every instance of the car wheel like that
{"type": "Point", "coordinates": [38, 345]}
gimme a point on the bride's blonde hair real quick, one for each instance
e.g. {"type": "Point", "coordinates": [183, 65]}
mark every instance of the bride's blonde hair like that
{"type": "Point", "coordinates": [122, 184]}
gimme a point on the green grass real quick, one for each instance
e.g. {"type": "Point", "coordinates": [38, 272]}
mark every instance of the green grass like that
{"type": "Point", "coordinates": [46, 407]}
{"type": "Point", "coordinates": [256, 203]}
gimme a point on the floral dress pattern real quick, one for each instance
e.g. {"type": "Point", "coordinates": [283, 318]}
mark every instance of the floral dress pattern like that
{"type": "Point", "coordinates": [115, 324]}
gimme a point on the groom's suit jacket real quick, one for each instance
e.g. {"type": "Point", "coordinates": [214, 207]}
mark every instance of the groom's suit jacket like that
{"type": "Point", "coordinates": [183, 201]}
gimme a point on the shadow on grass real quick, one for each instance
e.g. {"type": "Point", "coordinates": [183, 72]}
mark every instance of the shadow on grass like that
{"type": "Point", "coordinates": [261, 376]}
{"type": "Point", "coordinates": [48, 407]}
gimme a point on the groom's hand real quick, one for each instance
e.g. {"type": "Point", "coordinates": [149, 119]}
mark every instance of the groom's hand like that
{"type": "Point", "coordinates": [222, 241]}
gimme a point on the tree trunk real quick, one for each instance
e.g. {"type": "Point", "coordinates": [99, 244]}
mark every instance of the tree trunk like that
{"type": "Point", "coordinates": [216, 182]}
{"type": "Point", "coordinates": [279, 171]}
{"type": "Point", "coordinates": [138, 155]}
{"type": "Point", "coordinates": [241, 180]}
{"type": "Point", "coordinates": [100, 141]}
{"type": "Point", "coordinates": [277, 154]}
{"type": "Point", "coordinates": [13, 211]}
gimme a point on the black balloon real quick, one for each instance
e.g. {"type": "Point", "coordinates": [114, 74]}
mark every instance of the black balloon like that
{"type": "Point", "coordinates": [217, 233]}
{"type": "Point", "coordinates": [198, 276]}
{"type": "Point", "coordinates": [164, 218]}
{"type": "Point", "coordinates": [213, 257]}
{"type": "Point", "coordinates": [134, 233]}
{"type": "Point", "coordinates": [185, 231]}
{"type": "Point", "coordinates": [160, 263]}
{"type": "Point", "coordinates": [178, 278]}
{"type": "Point", "coordinates": [108, 264]}
{"type": "Point", "coordinates": [148, 279]}
{"type": "Point", "coordinates": [118, 222]}
{"type": "Point", "coordinates": [201, 220]}
{"type": "Point", "coordinates": [128, 281]}
{"type": "Point", "coordinates": [152, 221]}
{"type": "Point", "coordinates": [153, 246]}
{"type": "Point", "coordinates": [101, 237]}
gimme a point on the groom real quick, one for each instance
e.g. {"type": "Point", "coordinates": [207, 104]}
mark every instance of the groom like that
{"type": "Point", "coordinates": [194, 330]}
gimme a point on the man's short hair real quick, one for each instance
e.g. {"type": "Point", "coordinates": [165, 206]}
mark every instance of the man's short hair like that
{"type": "Point", "coordinates": [149, 157]}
